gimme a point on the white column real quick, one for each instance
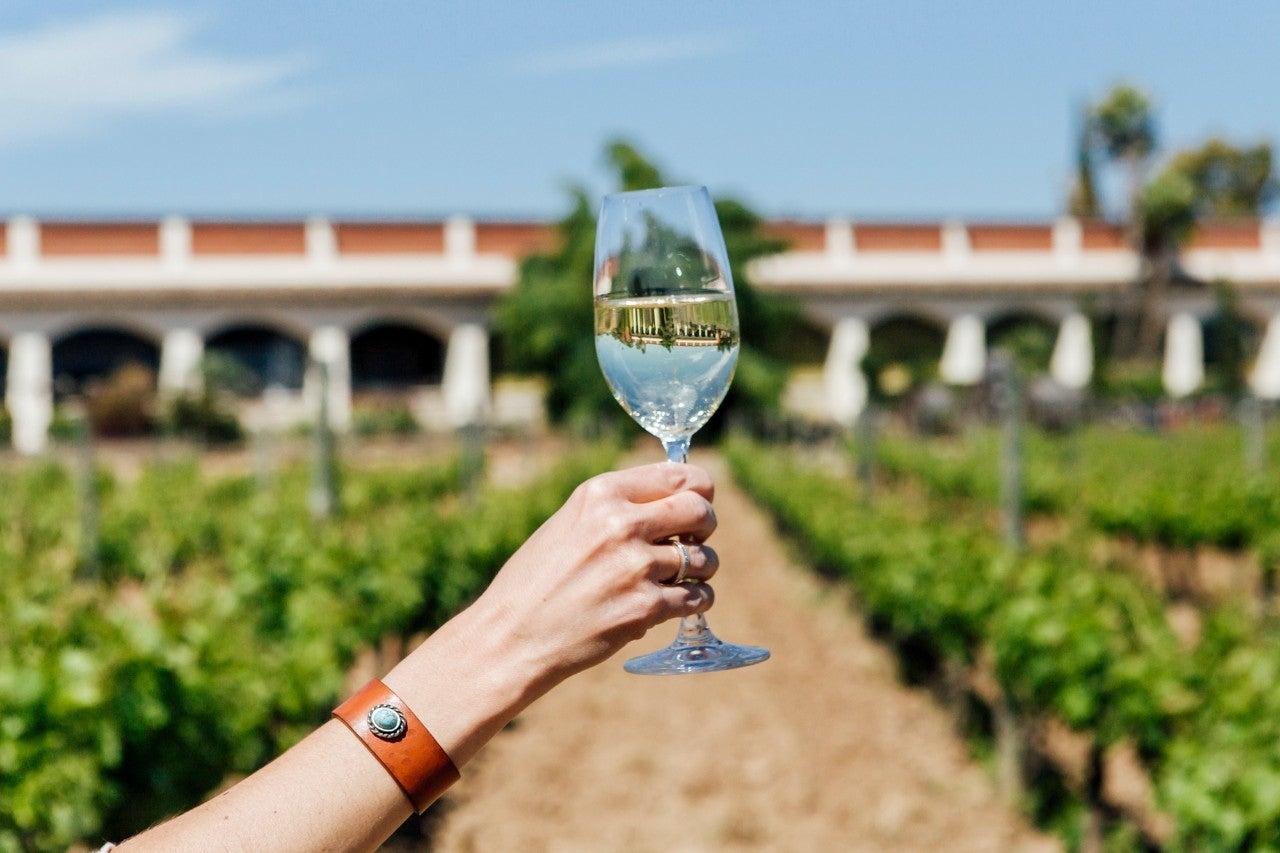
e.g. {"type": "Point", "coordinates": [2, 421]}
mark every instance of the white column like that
{"type": "Point", "coordinates": [955, 243]}
{"type": "Point", "coordinates": [1265, 379]}
{"type": "Point", "coordinates": [331, 347]}
{"type": "Point", "coordinates": [321, 241]}
{"type": "Point", "coordinates": [1068, 240]}
{"type": "Point", "coordinates": [29, 390]}
{"type": "Point", "coordinates": [175, 242]}
{"type": "Point", "coordinates": [1183, 355]}
{"type": "Point", "coordinates": [842, 376]}
{"type": "Point", "coordinates": [22, 236]}
{"type": "Point", "coordinates": [459, 238]}
{"type": "Point", "coordinates": [964, 355]}
{"type": "Point", "coordinates": [466, 375]}
{"type": "Point", "coordinates": [180, 356]}
{"type": "Point", "coordinates": [1269, 236]}
{"type": "Point", "coordinates": [1071, 365]}
{"type": "Point", "coordinates": [839, 239]}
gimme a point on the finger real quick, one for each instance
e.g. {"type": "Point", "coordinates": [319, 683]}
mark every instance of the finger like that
{"type": "Point", "coordinates": [685, 599]}
{"type": "Point", "coordinates": [688, 515]}
{"type": "Point", "coordinates": [703, 562]}
{"type": "Point", "coordinates": [659, 480]}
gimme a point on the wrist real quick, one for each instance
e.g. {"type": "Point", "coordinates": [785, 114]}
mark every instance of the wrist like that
{"type": "Point", "coordinates": [399, 740]}
{"type": "Point", "coordinates": [469, 679]}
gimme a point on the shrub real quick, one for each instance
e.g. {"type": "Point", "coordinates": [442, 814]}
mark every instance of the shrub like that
{"type": "Point", "coordinates": [122, 405]}
{"type": "Point", "coordinates": [384, 417]}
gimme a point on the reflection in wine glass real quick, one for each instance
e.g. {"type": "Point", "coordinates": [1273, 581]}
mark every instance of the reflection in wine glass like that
{"type": "Point", "coordinates": [667, 342]}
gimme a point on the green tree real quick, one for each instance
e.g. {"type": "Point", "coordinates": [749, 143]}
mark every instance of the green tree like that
{"type": "Point", "coordinates": [1228, 181]}
{"type": "Point", "coordinates": [1232, 341]}
{"type": "Point", "coordinates": [1121, 128]}
{"type": "Point", "coordinates": [1124, 126]}
{"type": "Point", "coordinates": [545, 321]}
{"type": "Point", "coordinates": [1166, 216]}
{"type": "Point", "coordinates": [1216, 180]}
{"type": "Point", "coordinates": [546, 326]}
{"type": "Point", "coordinates": [1083, 203]}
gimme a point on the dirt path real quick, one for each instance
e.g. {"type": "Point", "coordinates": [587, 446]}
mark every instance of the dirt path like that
{"type": "Point", "coordinates": [820, 748]}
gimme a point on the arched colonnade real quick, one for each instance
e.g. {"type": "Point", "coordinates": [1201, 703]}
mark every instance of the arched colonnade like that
{"type": "Point", "coordinates": [966, 334]}
{"type": "Point", "coordinates": [51, 355]}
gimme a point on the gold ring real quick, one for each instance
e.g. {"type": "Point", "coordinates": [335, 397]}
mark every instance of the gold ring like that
{"type": "Point", "coordinates": [684, 561]}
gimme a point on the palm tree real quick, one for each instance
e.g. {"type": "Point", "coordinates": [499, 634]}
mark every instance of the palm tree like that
{"type": "Point", "coordinates": [1122, 127]}
{"type": "Point", "coordinates": [1213, 181]}
{"type": "Point", "coordinates": [1083, 203]}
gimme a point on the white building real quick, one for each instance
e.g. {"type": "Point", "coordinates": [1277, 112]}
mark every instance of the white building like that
{"type": "Point", "coordinates": [409, 303]}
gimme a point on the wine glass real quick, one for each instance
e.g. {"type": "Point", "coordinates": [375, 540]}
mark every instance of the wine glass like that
{"type": "Point", "coordinates": [667, 341]}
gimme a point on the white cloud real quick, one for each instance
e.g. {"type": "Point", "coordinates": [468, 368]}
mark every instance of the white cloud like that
{"type": "Point", "coordinates": [626, 53]}
{"type": "Point", "coordinates": [72, 77]}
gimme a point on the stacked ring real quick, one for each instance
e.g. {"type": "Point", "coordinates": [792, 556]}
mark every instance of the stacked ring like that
{"type": "Point", "coordinates": [684, 561]}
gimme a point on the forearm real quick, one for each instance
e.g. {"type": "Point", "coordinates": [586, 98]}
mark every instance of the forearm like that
{"type": "Point", "coordinates": [328, 792]}
{"type": "Point", "coordinates": [594, 577]}
{"type": "Point", "coordinates": [469, 679]}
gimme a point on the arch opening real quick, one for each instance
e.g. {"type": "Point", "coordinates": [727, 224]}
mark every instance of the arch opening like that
{"type": "Point", "coordinates": [1231, 342]}
{"type": "Point", "coordinates": [393, 356]}
{"type": "Point", "coordinates": [903, 354]}
{"type": "Point", "coordinates": [262, 357]}
{"type": "Point", "coordinates": [94, 354]}
{"type": "Point", "coordinates": [1029, 338]}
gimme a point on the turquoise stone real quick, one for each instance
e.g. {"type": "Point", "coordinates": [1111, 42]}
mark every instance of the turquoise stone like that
{"type": "Point", "coordinates": [385, 719]}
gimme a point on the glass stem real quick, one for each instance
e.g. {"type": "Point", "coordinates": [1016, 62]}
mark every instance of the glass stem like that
{"type": "Point", "coordinates": [677, 449]}
{"type": "Point", "coordinates": [693, 629]}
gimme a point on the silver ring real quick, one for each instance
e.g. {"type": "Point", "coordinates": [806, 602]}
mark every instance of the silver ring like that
{"type": "Point", "coordinates": [684, 561]}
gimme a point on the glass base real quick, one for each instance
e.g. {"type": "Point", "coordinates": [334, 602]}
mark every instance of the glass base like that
{"type": "Point", "coordinates": [696, 649]}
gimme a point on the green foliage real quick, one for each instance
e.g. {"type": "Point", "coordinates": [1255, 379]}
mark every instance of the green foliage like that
{"type": "Point", "coordinates": [1124, 124]}
{"type": "Point", "coordinates": [666, 255]}
{"type": "Point", "coordinates": [208, 415]}
{"type": "Point", "coordinates": [222, 630]}
{"type": "Point", "coordinates": [1167, 207]}
{"type": "Point", "coordinates": [1221, 775]}
{"type": "Point", "coordinates": [1218, 179]}
{"type": "Point", "coordinates": [1232, 342]}
{"type": "Point", "coordinates": [903, 354]}
{"type": "Point", "coordinates": [1090, 647]}
{"type": "Point", "coordinates": [1228, 181]}
{"type": "Point", "coordinates": [1083, 202]}
{"type": "Point", "coordinates": [1080, 642]}
{"type": "Point", "coordinates": [546, 321]}
{"type": "Point", "coordinates": [384, 417]}
{"type": "Point", "coordinates": [546, 324]}
{"type": "Point", "coordinates": [1030, 344]}
{"type": "Point", "coordinates": [1083, 644]}
{"type": "Point", "coordinates": [1183, 490]}
{"type": "Point", "coordinates": [634, 171]}
{"type": "Point", "coordinates": [201, 417]}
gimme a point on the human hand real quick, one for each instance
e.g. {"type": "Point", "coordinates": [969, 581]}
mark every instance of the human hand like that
{"type": "Point", "coordinates": [596, 575]}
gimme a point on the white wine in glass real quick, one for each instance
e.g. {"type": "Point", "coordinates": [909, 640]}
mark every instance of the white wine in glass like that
{"type": "Point", "coordinates": [667, 342]}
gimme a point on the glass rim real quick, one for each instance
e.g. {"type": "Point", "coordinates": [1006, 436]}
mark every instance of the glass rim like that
{"type": "Point", "coordinates": [657, 191]}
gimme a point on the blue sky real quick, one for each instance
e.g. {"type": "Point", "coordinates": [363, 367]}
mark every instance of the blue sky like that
{"type": "Point", "coordinates": [868, 110]}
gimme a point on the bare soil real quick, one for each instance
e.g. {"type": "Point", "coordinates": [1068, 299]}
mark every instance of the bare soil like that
{"type": "Point", "coordinates": [820, 748]}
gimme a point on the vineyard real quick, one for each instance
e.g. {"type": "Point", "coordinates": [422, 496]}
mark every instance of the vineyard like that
{"type": "Point", "coordinates": [1066, 634]}
{"type": "Point", "coordinates": [215, 623]}
{"type": "Point", "coordinates": [216, 620]}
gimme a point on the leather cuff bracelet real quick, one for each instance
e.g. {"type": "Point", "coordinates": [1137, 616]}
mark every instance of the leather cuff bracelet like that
{"type": "Point", "coordinates": [399, 740]}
